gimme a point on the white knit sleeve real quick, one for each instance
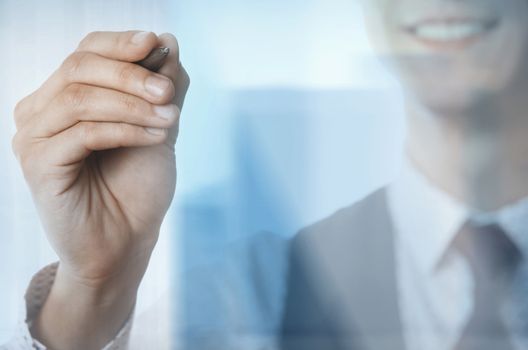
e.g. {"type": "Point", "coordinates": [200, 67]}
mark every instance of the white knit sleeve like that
{"type": "Point", "coordinates": [35, 297]}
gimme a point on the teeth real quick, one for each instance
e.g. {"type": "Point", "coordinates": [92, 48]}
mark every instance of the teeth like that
{"type": "Point", "coordinates": [449, 31]}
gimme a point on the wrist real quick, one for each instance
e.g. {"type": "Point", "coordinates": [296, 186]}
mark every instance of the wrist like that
{"type": "Point", "coordinates": [103, 272]}
{"type": "Point", "coordinates": [77, 315]}
{"type": "Point", "coordinates": [94, 293]}
{"type": "Point", "coordinates": [87, 311]}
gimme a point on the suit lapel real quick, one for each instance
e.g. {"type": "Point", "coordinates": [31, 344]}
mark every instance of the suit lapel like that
{"type": "Point", "coordinates": [349, 261]}
{"type": "Point", "coordinates": [373, 294]}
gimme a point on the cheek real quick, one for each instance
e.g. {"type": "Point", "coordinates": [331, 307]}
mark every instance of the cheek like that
{"type": "Point", "coordinates": [379, 19]}
{"type": "Point", "coordinates": [380, 28]}
{"type": "Point", "coordinates": [507, 67]}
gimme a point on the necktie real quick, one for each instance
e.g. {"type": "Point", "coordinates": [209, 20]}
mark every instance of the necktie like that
{"type": "Point", "coordinates": [493, 258]}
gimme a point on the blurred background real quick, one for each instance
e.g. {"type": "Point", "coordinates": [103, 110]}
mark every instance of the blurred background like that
{"type": "Point", "coordinates": [289, 117]}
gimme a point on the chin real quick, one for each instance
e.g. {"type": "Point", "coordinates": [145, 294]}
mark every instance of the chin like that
{"type": "Point", "coordinates": [445, 100]}
{"type": "Point", "coordinates": [453, 86]}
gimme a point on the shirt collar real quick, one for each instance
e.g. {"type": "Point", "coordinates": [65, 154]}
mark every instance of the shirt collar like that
{"type": "Point", "coordinates": [427, 219]}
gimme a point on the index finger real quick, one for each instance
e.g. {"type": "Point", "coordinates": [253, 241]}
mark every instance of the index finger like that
{"type": "Point", "coordinates": [127, 46]}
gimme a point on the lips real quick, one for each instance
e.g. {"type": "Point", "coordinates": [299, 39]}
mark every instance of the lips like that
{"type": "Point", "coordinates": [450, 32]}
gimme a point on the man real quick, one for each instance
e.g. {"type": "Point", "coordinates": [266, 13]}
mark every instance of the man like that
{"type": "Point", "coordinates": [434, 261]}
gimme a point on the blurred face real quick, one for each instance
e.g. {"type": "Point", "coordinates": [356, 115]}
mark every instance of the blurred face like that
{"type": "Point", "coordinates": [452, 54]}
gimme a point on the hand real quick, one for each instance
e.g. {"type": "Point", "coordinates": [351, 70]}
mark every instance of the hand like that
{"type": "Point", "coordinates": [96, 145]}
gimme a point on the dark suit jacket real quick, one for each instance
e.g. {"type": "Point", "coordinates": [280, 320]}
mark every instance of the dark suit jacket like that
{"type": "Point", "coordinates": [342, 291]}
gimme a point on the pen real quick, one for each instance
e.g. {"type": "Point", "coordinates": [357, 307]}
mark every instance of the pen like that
{"type": "Point", "coordinates": [155, 59]}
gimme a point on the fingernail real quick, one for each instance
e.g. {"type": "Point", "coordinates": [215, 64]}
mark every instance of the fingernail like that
{"type": "Point", "coordinates": [157, 85]}
{"type": "Point", "coordinates": [167, 112]}
{"type": "Point", "coordinates": [155, 131]}
{"type": "Point", "coordinates": [139, 37]}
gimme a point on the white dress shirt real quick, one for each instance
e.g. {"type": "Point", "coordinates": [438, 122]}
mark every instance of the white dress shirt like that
{"type": "Point", "coordinates": [435, 282]}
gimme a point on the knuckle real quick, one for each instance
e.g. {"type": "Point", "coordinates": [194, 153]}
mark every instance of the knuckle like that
{"type": "Point", "coordinates": [19, 112]}
{"type": "Point", "coordinates": [88, 39]}
{"type": "Point", "coordinates": [122, 131]}
{"type": "Point", "coordinates": [16, 144]}
{"type": "Point", "coordinates": [87, 132]}
{"type": "Point", "coordinates": [19, 108]}
{"type": "Point", "coordinates": [75, 96]}
{"type": "Point", "coordinates": [130, 105]}
{"type": "Point", "coordinates": [73, 64]}
{"type": "Point", "coordinates": [122, 41]}
{"type": "Point", "coordinates": [125, 73]}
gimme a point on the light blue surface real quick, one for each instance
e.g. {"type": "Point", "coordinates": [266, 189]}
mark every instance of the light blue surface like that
{"type": "Point", "coordinates": [268, 117]}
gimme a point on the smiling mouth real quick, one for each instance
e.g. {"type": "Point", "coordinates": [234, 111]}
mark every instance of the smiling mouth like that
{"type": "Point", "coordinates": [450, 33]}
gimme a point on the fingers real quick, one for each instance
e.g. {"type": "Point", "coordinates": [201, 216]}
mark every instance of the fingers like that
{"type": "Point", "coordinates": [98, 62]}
{"type": "Point", "coordinates": [76, 143]}
{"type": "Point", "coordinates": [87, 103]}
{"type": "Point", "coordinates": [174, 69]}
{"type": "Point", "coordinates": [127, 46]}
{"type": "Point", "coordinates": [98, 99]}
{"type": "Point", "coordinates": [91, 69]}
{"type": "Point", "coordinates": [124, 46]}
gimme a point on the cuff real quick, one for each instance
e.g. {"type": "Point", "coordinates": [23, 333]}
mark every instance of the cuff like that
{"type": "Point", "coordinates": [36, 295]}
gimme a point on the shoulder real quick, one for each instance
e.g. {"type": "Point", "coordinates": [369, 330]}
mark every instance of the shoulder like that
{"type": "Point", "coordinates": [351, 224]}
